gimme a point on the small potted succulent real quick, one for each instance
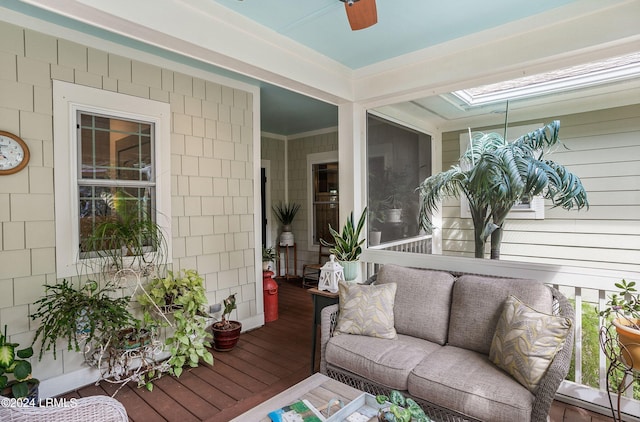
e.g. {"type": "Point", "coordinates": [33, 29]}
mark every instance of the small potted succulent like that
{"type": "Point", "coordinates": [399, 409]}
{"type": "Point", "coordinates": [226, 333]}
{"type": "Point", "coordinates": [623, 308]}
{"type": "Point", "coordinates": [269, 255]}
{"type": "Point", "coordinates": [14, 361]}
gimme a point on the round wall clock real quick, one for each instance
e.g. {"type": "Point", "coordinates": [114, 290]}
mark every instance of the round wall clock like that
{"type": "Point", "coordinates": [14, 153]}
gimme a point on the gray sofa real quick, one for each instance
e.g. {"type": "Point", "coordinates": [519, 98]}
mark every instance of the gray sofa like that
{"type": "Point", "coordinates": [445, 325]}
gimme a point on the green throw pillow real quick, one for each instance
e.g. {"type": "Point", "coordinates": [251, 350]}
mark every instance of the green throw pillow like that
{"type": "Point", "coordinates": [526, 341]}
{"type": "Point", "coordinates": [366, 310]}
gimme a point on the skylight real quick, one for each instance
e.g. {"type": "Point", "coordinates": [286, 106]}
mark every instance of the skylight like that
{"type": "Point", "coordinates": [585, 75]}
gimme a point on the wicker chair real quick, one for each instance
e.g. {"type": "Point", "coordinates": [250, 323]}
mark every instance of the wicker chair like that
{"type": "Point", "coordinates": [94, 409]}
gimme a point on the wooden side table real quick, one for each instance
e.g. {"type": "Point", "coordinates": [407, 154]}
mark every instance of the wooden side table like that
{"type": "Point", "coordinates": [287, 275]}
{"type": "Point", "coordinates": [321, 299]}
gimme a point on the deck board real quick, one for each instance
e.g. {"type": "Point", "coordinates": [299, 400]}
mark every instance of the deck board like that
{"type": "Point", "coordinates": [265, 362]}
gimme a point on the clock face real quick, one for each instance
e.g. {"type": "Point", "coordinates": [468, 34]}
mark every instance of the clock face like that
{"type": "Point", "coordinates": [14, 153]}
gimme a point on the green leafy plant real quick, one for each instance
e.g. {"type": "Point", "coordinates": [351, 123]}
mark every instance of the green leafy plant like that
{"type": "Point", "coordinates": [494, 175]}
{"type": "Point", "coordinates": [183, 295]}
{"type": "Point", "coordinates": [79, 315]}
{"type": "Point", "coordinates": [12, 361]}
{"type": "Point", "coordinates": [624, 305]}
{"type": "Point", "coordinates": [401, 409]}
{"type": "Point", "coordinates": [127, 236]}
{"type": "Point", "coordinates": [347, 245]}
{"type": "Point", "coordinates": [269, 254]}
{"type": "Point", "coordinates": [285, 213]}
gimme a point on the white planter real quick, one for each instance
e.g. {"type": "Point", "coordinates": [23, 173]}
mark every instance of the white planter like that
{"type": "Point", "coordinates": [286, 239]}
{"type": "Point", "coordinates": [374, 238]}
{"type": "Point", "coordinates": [393, 215]}
{"type": "Point", "coordinates": [351, 270]}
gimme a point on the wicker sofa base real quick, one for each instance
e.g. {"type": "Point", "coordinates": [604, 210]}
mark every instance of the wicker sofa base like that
{"type": "Point", "coordinates": [435, 412]}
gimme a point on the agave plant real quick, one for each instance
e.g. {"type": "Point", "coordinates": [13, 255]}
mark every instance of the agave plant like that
{"type": "Point", "coordinates": [495, 175]}
{"type": "Point", "coordinates": [286, 212]}
{"type": "Point", "coordinates": [348, 245]}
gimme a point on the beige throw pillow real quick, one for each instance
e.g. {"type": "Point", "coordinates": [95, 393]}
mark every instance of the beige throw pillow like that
{"type": "Point", "coordinates": [526, 341]}
{"type": "Point", "coordinates": [366, 310]}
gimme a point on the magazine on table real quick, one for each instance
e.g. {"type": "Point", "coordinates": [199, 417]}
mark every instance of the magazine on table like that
{"type": "Point", "coordinates": [299, 411]}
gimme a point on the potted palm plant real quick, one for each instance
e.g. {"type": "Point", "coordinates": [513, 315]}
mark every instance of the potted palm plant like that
{"type": "Point", "coordinates": [347, 245]}
{"type": "Point", "coordinates": [494, 175]}
{"type": "Point", "coordinates": [13, 361]}
{"type": "Point", "coordinates": [285, 213]}
{"type": "Point", "coordinates": [623, 309]}
{"type": "Point", "coordinates": [226, 333]}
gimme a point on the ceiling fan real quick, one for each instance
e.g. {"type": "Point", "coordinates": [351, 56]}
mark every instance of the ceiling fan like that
{"type": "Point", "coordinates": [361, 13]}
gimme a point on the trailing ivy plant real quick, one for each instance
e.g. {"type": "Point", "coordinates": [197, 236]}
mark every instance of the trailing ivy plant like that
{"type": "Point", "coordinates": [79, 315]}
{"type": "Point", "coordinates": [183, 296]}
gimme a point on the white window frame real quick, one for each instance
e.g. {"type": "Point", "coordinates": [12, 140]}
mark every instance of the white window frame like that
{"type": "Point", "coordinates": [532, 211]}
{"type": "Point", "coordinates": [312, 159]}
{"type": "Point", "coordinates": [69, 98]}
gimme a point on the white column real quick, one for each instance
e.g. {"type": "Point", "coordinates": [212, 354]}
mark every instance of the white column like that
{"type": "Point", "coordinates": [352, 159]}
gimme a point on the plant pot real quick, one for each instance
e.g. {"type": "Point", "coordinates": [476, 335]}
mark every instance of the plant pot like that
{"type": "Point", "coordinates": [266, 266]}
{"type": "Point", "coordinates": [374, 237]}
{"type": "Point", "coordinates": [286, 238]}
{"type": "Point", "coordinates": [393, 215]}
{"type": "Point", "coordinates": [225, 339]}
{"type": "Point", "coordinates": [629, 339]}
{"type": "Point", "coordinates": [350, 269]}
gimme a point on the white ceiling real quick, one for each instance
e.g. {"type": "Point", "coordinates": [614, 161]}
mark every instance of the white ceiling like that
{"type": "Point", "coordinates": [417, 49]}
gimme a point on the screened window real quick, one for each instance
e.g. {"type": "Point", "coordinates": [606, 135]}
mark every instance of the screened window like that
{"type": "Point", "coordinates": [398, 159]}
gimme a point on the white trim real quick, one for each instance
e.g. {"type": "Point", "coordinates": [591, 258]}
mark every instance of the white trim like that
{"type": "Point", "coordinates": [323, 131]}
{"type": "Point", "coordinates": [69, 98]}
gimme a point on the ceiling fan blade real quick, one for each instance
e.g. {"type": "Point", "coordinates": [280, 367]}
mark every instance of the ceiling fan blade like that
{"type": "Point", "coordinates": [361, 14]}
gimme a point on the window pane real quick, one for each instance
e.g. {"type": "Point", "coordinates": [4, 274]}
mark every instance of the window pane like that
{"type": "Point", "coordinates": [115, 149]}
{"type": "Point", "coordinates": [398, 160]}
{"type": "Point", "coordinates": [99, 204]}
{"type": "Point", "coordinates": [325, 200]}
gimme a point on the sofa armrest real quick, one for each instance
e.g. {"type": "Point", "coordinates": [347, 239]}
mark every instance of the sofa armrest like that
{"type": "Point", "coordinates": [559, 368]}
{"type": "Point", "coordinates": [328, 321]}
{"type": "Point", "coordinates": [94, 409]}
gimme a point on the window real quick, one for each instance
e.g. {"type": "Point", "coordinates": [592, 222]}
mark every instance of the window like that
{"type": "Point", "coordinates": [111, 159]}
{"type": "Point", "coordinates": [324, 196]}
{"type": "Point", "coordinates": [398, 159]}
{"type": "Point", "coordinates": [116, 173]}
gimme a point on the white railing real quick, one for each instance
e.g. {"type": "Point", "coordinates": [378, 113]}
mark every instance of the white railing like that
{"type": "Point", "coordinates": [583, 286]}
{"type": "Point", "coordinates": [418, 244]}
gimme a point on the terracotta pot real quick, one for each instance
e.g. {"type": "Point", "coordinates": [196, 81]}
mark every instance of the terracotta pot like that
{"type": "Point", "coordinates": [226, 339]}
{"type": "Point", "coordinates": [629, 339]}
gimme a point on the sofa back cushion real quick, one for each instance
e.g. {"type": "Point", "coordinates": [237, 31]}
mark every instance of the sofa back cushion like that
{"type": "Point", "coordinates": [422, 303]}
{"type": "Point", "coordinates": [478, 302]}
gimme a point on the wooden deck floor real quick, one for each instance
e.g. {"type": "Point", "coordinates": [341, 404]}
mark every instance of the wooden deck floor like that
{"type": "Point", "coordinates": [265, 362]}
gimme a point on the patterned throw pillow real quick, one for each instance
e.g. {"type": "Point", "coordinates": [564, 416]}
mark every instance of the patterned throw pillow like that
{"type": "Point", "coordinates": [366, 310]}
{"type": "Point", "coordinates": [526, 341]}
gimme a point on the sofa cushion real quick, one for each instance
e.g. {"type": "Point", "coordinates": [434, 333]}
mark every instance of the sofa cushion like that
{"type": "Point", "coordinates": [366, 310]}
{"type": "Point", "coordinates": [468, 382]}
{"type": "Point", "coordinates": [526, 341]}
{"type": "Point", "coordinates": [477, 304]}
{"type": "Point", "coordinates": [423, 300]}
{"type": "Point", "coordinates": [387, 362]}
